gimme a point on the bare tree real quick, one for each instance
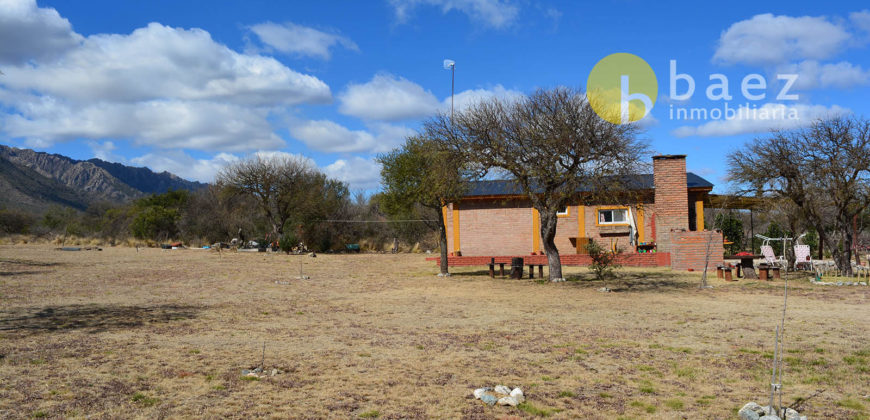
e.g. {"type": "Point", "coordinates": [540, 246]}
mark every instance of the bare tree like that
{"type": "Point", "coordinates": [286, 188]}
{"type": "Point", "coordinates": [552, 143]}
{"type": "Point", "coordinates": [823, 169]}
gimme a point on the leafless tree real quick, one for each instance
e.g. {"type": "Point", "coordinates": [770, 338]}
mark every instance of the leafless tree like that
{"type": "Point", "coordinates": [552, 143]}
{"type": "Point", "coordinates": [824, 169]}
{"type": "Point", "coordinates": [286, 188]}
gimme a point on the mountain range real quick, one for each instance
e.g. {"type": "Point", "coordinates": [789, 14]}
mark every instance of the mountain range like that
{"type": "Point", "coordinates": [33, 181]}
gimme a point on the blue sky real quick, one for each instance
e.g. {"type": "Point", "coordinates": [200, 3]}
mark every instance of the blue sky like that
{"type": "Point", "coordinates": [189, 86]}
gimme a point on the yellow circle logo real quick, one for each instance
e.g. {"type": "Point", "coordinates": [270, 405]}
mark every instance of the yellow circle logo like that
{"type": "Point", "coordinates": [622, 88]}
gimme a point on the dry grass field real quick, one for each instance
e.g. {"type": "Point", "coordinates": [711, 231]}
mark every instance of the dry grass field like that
{"type": "Point", "coordinates": [165, 334]}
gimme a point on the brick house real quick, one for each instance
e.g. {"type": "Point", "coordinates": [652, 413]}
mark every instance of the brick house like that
{"type": "Point", "coordinates": [665, 227]}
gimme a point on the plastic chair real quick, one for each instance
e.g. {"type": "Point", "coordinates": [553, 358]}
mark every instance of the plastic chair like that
{"type": "Point", "coordinates": [802, 256]}
{"type": "Point", "coordinates": [770, 257]}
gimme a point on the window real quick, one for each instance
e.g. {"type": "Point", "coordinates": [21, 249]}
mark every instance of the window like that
{"type": "Point", "coordinates": [612, 216]}
{"type": "Point", "coordinates": [563, 211]}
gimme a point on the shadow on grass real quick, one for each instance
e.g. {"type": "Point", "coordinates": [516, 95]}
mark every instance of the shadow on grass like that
{"type": "Point", "coordinates": [29, 262]}
{"type": "Point", "coordinates": [96, 318]}
{"type": "Point", "coordinates": [660, 281]}
{"type": "Point", "coordinates": [22, 273]}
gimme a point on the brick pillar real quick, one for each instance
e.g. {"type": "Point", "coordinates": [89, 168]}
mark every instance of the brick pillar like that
{"type": "Point", "coordinates": [671, 198]}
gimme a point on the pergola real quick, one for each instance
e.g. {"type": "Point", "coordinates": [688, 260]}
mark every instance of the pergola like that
{"type": "Point", "coordinates": [737, 202]}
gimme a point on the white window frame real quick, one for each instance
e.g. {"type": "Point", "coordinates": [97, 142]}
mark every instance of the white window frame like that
{"type": "Point", "coordinates": [623, 222]}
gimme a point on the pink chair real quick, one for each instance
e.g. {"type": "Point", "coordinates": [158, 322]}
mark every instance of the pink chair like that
{"type": "Point", "coordinates": [802, 257]}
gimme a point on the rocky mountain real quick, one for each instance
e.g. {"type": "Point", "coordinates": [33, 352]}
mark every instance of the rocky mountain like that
{"type": "Point", "coordinates": [34, 181]}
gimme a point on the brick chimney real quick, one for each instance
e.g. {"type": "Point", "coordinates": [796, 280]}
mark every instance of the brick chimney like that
{"type": "Point", "coordinates": [671, 198]}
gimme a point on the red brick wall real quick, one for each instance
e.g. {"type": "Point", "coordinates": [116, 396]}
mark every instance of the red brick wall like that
{"type": "Point", "coordinates": [495, 227]}
{"type": "Point", "coordinates": [658, 259]}
{"type": "Point", "coordinates": [671, 198]}
{"type": "Point", "coordinates": [688, 250]}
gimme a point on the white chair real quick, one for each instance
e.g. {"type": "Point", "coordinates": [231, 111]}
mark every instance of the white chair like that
{"type": "Point", "coordinates": [770, 257]}
{"type": "Point", "coordinates": [802, 256]}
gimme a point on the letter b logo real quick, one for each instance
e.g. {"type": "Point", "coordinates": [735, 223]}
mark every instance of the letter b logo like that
{"type": "Point", "coordinates": [622, 88]}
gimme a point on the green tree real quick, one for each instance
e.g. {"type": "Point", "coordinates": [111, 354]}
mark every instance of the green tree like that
{"type": "Point", "coordinates": [732, 227]}
{"type": "Point", "coordinates": [157, 216]}
{"type": "Point", "coordinates": [419, 178]}
{"type": "Point", "coordinates": [62, 220]}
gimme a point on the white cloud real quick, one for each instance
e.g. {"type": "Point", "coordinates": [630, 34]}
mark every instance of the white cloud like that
{"type": "Point", "coordinates": [861, 19]}
{"type": "Point", "coordinates": [471, 96]}
{"type": "Point", "coordinates": [388, 98]}
{"type": "Point", "coordinates": [359, 173]}
{"type": "Point", "coordinates": [290, 38]}
{"type": "Point", "coordinates": [105, 151]}
{"type": "Point", "coordinates": [768, 40]}
{"type": "Point", "coordinates": [767, 117]}
{"type": "Point", "coordinates": [812, 74]}
{"type": "Point", "coordinates": [159, 62]}
{"type": "Point", "coordinates": [157, 86]}
{"type": "Point", "coordinates": [494, 13]}
{"type": "Point", "coordinates": [28, 32]}
{"type": "Point", "coordinates": [185, 166]}
{"type": "Point", "coordinates": [197, 125]}
{"type": "Point", "coordinates": [328, 136]}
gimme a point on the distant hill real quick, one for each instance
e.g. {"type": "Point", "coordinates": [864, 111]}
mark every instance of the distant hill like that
{"type": "Point", "coordinates": [34, 181]}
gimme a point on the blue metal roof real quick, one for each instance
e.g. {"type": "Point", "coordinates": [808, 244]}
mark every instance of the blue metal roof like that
{"type": "Point", "coordinates": [638, 182]}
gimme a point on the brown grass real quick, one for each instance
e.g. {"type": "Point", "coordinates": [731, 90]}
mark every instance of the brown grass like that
{"type": "Point", "coordinates": [148, 334]}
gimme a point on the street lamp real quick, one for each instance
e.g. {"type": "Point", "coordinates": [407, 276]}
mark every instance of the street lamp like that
{"type": "Point", "coordinates": [451, 65]}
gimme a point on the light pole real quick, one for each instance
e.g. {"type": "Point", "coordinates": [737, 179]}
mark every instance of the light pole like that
{"type": "Point", "coordinates": [451, 65]}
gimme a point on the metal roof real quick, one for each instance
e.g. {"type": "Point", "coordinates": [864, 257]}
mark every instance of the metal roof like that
{"type": "Point", "coordinates": [637, 182]}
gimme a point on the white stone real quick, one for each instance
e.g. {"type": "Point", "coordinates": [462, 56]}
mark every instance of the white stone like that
{"type": "Point", "coordinates": [511, 401]}
{"type": "Point", "coordinates": [518, 395]}
{"type": "Point", "coordinates": [501, 389]}
{"type": "Point", "coordinates": [751, 411]}
{"type": "Point", "coordinates": [479, 392]}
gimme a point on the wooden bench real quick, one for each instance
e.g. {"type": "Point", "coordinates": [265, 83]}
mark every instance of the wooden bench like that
{"type": "Point", "coordinates": [492, 264]}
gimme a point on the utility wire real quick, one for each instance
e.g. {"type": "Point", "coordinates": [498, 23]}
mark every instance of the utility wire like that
{"type": "Point", "coordinates": [377, 221]}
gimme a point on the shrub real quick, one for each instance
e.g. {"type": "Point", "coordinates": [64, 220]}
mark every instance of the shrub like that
{"type": "Point", "coordinates": [287, 242]}
{"type": "Point", "coordinates": [603, 261]}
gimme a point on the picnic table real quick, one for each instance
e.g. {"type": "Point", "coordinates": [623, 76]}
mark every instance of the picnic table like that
{"type": "Point", "coordinates": [746, 264]}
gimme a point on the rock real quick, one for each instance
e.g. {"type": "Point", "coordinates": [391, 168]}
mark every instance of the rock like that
{"type": "Point", "coordinates": [518, 395]}
{"type": "Point", "coordinates": [501, 389]}
{"type": "Point", "coordinates": [769, 417]}
{"type": "Point", "coordinates": [274, 372]}
{"type": "Point", "coordinates": [511, 401]}
{"type": "Point", "coordinates": [312, 255]}
{"type": "Point", "coordinates": [604, 290]}
{"type": "Point", "coordinates": [489, 399]}
{"type": "Point", "coordinates": [478, 393]}
{"type": "Point", "coordinates": [792, 414]}
{"type": "Point", "coordinates": [751, 411]}
{"type": "Point", "coordinates": [862, 283]}
{"type": "Point", "coordinates": [557, 280]}
{"type": "Point", "coordinates": [443, 274]}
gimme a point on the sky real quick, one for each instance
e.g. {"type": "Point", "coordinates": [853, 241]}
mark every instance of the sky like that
{"type": "Point", "coordinates": [188, 87]}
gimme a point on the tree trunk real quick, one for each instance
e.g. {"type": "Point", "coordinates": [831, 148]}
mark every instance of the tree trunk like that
{"type": "Point", "coordinates": [548, 233]}
{"type": "Point", "coordinates": [856, 236]}
{"type": "Point", "coordinates": [846, 257]}
{"type": "Point", "coordinates": [442, 242]}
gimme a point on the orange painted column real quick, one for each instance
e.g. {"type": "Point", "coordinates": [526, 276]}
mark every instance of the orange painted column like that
{"type": "Point", "coordinates": [536, 231]}
{"type": "Point", "coordinates": [456, 247]}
